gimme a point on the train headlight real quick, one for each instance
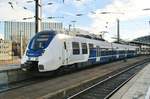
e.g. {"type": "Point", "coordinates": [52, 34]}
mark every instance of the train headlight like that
{"type": "Point", "coordinates": [33, 58]}
{"type": "Point", "coordinates": [41, 67]}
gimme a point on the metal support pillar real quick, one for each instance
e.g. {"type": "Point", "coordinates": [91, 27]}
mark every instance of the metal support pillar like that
{"type": "Point", "coordinates": [38, 15]}
{"type": "Point", "coordinates": [118, 30]}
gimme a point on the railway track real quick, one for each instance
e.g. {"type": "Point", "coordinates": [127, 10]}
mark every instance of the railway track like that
{"type": "Point", "coordinates": [105, 88]}
{"type": "Point", "coordinates": [22, 86]}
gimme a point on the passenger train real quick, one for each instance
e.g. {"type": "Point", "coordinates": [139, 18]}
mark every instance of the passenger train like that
{"type": "Point", "coordinates": [50, 50]}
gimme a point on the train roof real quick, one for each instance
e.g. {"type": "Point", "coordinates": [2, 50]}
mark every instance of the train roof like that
{"type": "Point", "coordinates": [48, 31]}
{"type": "Point", "coordinates": [124, 46]}
{"type": "Point", "coordinates": [91, 37]}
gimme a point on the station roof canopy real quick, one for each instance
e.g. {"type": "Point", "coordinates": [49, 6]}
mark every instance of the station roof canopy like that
{"type": "Point", "coordinates": [139, 43]}
{"type": "Point", "coordinates": [143, 40]}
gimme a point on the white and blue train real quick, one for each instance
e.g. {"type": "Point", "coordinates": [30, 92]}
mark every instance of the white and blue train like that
{"type": "Point", "coordinates": [49, 51]}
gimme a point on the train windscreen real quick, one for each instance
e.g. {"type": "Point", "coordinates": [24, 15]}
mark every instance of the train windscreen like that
{"type": "Point", "coordinates": [41, 40]}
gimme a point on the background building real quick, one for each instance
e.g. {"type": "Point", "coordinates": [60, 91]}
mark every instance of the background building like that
{"type": "Point", "coordinates": [19, 33]}
{"type": "Point", "coordinates": [15, 30]}
{"type": "Point", "coordinates": [5, 50]}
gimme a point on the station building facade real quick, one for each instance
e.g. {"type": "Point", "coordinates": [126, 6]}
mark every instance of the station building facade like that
{"type": "Point", "coordinates": [5, 50]}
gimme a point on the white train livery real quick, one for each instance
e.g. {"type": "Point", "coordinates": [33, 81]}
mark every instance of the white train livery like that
{"type": "Point", "coordinates": [49, 51]}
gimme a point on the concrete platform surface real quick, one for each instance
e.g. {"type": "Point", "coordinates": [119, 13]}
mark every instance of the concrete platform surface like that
{"type": "Point", "coordinates": [9, 67]}
{"type": "Point", "coordinates": [137, 88]}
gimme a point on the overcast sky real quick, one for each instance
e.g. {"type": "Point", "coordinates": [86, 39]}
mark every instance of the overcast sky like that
{"type": "Point", "coordinates": [134, 21]}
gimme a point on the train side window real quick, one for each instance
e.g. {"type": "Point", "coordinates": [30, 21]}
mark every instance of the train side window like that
{"type": "Point", "coordinates": [76, 48]}
{"type": "Point", "coordinates": [90, 48]}
{"type": "Point", "coordinates": [104, 51]}
{"type": "Point", "coordinates": [65, 47]}
{"type": "Point", "coordinates": [84, 48]}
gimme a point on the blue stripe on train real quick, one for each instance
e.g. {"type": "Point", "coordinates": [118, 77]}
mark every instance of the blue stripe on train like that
{"type": "Point", "coordinates": [104, 59]}
{"type": "Point", "coordinates": [92, 52]}
{"type": "Point", "coordinates": [92, 55]}
{"type": "Point", "coordinates": [92, 60]}
{"type": "Point", "coordinates": [32, 53]}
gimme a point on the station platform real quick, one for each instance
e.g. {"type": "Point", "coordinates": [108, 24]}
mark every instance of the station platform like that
{"type": "Point", "coordinates": [137, 88]}
{"type": "Point", "coordinates": [9, 67]}
{"type": "Point", "coordinates": [11, 73]}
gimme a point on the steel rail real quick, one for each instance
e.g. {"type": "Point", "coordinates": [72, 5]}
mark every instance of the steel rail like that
{"type": "Point", "coordinates": [108, 78]}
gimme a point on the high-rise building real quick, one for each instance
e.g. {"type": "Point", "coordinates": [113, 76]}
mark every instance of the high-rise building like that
{"type": "Point", "coordinates": [15, 31]}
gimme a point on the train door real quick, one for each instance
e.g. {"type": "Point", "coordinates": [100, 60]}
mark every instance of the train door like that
{"type": "Point", "coordinates": [97, 53]}
{"type": "Point", "coordinates": [92, 53]}
{"type": "Point", "coordinates": [66, 53]}
{"type": "Point", "coordinates": [117, 53]}
{"type": "Point", "coordinates": [126, 52]}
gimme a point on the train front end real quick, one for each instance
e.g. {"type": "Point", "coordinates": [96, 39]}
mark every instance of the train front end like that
{"type": "Point", "coordinates": [35, 51]}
